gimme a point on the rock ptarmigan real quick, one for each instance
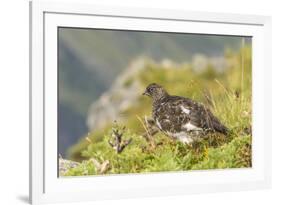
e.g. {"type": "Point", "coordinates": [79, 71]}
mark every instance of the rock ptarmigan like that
{"type": "Point", "coordinates": [181, 118]}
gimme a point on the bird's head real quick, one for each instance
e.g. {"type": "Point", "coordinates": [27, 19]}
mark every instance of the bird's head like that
{"type": "Point", "coordinates": [155, 91]}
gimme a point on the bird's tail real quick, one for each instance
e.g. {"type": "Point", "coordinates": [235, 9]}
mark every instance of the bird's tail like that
{"type": "Point", "coordinates": [223, 129]}
{"type": "Point", "coordinates": [216, 125]}
{"type": "Point", "coordinates": [219, 127]}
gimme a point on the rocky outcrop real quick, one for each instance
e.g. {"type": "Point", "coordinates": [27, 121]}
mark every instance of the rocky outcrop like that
{"type": "Point", "coordinates": [121, 96]}
{"type": "Point", "coordinates": [65, 165]}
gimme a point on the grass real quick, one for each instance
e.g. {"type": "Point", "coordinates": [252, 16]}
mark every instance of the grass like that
{"type": "Point", "coordinates": [227, 94]}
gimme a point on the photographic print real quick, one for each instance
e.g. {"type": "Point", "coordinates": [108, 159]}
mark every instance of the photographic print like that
{"type": "Point", "coordinates": [145, 102]}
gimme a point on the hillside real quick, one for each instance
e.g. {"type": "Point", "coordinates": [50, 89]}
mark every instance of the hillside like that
{"type": "Point", "coordinates": [90, 61]}
{"type": "Point", "coordinates": [224, 92]}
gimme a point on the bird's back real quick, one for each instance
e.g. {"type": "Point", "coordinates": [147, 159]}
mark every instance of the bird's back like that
{"type": "Point", "coordinates": [176, 114]}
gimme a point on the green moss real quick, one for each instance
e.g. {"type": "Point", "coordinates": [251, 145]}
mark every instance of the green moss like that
{"type": "Point", "coordinates": [139, 157]}
{"type": "Point", "coordinates": [228, 156]}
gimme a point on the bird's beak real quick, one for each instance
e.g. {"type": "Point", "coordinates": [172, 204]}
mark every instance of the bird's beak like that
{"type": "Point", "coordinates": [145, 93]}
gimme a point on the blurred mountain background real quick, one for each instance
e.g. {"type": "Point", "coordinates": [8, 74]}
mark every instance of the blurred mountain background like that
{"type": "Point", "coordinates": [97, 67]}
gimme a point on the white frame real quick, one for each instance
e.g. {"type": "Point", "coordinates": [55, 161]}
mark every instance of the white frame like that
{"type": "Point", "coordinates": [46, 187]}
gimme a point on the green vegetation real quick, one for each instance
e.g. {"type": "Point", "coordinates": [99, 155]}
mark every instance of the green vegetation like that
{"type": "Point", "coordinates": [227, 94]}
{"type": "Point", "coordinates": [90, 59]}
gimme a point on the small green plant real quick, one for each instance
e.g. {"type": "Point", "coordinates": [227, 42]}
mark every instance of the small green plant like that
{"type": "Point", "coordinates": [118, 144]}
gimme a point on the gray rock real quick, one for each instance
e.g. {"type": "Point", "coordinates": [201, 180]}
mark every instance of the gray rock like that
{"type": "Point", "coordinates": [65, 165]}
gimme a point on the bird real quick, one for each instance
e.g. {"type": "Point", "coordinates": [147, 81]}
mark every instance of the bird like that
{"type": "Point", "coordinates": [181, 118]}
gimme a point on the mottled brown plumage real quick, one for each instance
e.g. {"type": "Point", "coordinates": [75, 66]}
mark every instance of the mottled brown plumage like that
{"type": "Point", "coordinates": [181, 118]}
